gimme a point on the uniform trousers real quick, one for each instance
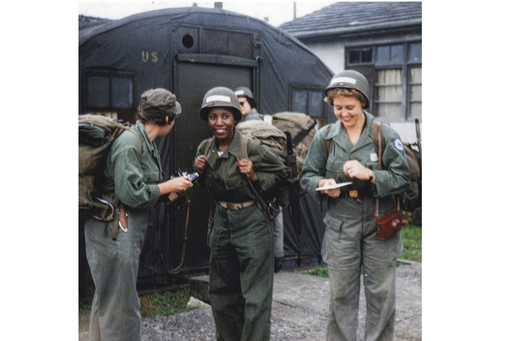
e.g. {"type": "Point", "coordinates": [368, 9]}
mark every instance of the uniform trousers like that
{"type": "Point", "coordinates": [350, 243]}
{"type": "Point", "coordinates": [278, 226]}
{"type": "Point", "coordinates": [114, 264]}
{"type": "Point", "coordinates": [241, 274]}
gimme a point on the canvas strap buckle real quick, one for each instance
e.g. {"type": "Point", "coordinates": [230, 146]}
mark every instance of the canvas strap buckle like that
{"type": "Point", "coordinates": [353, 193]}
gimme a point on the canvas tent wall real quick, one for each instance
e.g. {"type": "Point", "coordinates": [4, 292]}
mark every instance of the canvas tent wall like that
{"type": "Point", "coordinates": [189, 51]}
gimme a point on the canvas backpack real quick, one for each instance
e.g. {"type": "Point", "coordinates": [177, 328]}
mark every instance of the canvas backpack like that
{"type": "Point", "coordinates": [275, 140]}
{"type": "Point", "coordinates": [96, 134]}
{"type": "Point", "coordinates": [411, 198]}
{"type": "Point", "coordinates": [302, 129]}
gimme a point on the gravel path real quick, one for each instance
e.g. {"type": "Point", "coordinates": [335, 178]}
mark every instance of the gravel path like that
{"type": "Point", "coordinates": [300, 311]}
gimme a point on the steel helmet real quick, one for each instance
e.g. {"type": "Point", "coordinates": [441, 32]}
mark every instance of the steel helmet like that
{"type": "Point", "coordinates": [243, 91]}
{"type": "Point", "coordinates": [220, 97]}
{"type": "Point", "coordinates": [350, 79]}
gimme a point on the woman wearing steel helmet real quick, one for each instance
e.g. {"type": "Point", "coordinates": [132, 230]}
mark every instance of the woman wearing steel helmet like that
{"type": "Point", "coordinates": [241, 240]}
{"type": "Point", "coordinates": [344, 152]}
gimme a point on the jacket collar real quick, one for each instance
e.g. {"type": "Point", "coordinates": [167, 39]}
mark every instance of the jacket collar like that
{"type": "Point", "coordinates": [339, 135]}
{"type": "Point", "coordinates": [235, 148]}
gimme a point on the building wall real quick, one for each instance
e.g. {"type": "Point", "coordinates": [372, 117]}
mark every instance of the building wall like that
{"type": "Point", "coordinates": [332, 53]}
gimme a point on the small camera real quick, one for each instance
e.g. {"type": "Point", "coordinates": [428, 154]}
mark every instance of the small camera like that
{"type": "Point", "coordinates": [192, 177]}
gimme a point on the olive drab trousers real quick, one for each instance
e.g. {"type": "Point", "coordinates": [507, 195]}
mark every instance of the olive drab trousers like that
{"type": "Point", "coordinates": [350, 242]}
{"type": "Point", "coordinates": [241, 274]}
{"type": "Point", "coordinates": [114, 264]}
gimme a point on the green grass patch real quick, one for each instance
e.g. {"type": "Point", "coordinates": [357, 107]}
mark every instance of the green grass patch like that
{"type": "Point", "coordinates": [411, 238]}
{"type": "Point", "coordinates": [164, 303]}
{"type": "Point", "coordinates": [318, 271]}
{"type": "Point", "coordinates": [151, 304]}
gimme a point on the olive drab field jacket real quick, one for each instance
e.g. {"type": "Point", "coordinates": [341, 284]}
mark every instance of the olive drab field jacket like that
{"type": "Point", "coordinates": [223, 178]}
{"type": "Point", "coordinates": [320, 163]}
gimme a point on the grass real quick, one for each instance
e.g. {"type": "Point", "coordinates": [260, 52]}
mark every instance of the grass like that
{"type": "Point", "coordinates": [164, 303]}
{"type": "Point", "coordinates": [151, 304]}
{"type": "Point", "coordinates": [411, 238]}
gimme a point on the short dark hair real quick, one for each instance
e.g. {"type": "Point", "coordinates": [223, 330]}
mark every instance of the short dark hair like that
{"type": "Point", "coordinates": [159, 121]}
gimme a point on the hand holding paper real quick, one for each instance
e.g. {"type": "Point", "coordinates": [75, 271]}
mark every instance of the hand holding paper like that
{"type": "Point", "coordinates": [341, 184]}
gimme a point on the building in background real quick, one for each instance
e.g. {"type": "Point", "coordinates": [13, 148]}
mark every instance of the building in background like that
{"type": "Point", "coordinates": [383, 41]}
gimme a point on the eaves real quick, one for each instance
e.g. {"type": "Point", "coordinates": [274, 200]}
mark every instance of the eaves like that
{"type": "Point", "coordinates": [343, 32]}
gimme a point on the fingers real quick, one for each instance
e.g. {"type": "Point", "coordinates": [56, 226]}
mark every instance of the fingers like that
{"type": "Point", "coordinates": [354, 169]}
{"type": "Point", "coordinates": [244, 165]}
{"type": "Point", "coordinates": [200, 164]}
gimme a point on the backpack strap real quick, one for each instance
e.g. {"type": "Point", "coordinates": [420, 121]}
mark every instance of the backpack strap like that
{"type": "Point", "coordinates": [245, 139]}
{"type": "Point", "coordinates": [375, 134]}
{"type": "Point", "coordinates": [303, 133]}
{"type": "Point", "coordinates": [329, 142]}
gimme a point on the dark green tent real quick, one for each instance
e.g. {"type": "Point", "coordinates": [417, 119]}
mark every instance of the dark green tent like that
{"type": "Point", "coordinates": [188, 51]}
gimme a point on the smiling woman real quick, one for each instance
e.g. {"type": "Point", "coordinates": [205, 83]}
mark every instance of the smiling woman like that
{"type": "Point", "coordinates": [241, 239]}
{"type": "Point", "coordinates": [351, 238]}
{"type": "Point", "coordinates": [222, 125]}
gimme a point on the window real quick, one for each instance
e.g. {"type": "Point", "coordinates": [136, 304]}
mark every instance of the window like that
{"type": "Point", "coordinates": [392, 54]}
{"type": "Point", "coordinates": [360, 56]}
{"type": "Point", "coordinates": [415, 92]}
{"type": "Point", "coordinates": [388, 89]}
{"type": "Point", "coordinates": [308, 101]}
{"type": "Point", "coordinates": [109, 91]}
{"type": "Point", "coordinates": [396, 78]}
{"type": "Point", "coordinates": [229, 43]}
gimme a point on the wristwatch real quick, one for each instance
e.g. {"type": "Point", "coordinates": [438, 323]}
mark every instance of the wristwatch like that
{"type": "Point", "coordinates": [372, 175]}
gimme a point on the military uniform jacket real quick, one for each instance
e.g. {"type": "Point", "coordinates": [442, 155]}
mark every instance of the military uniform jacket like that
{"type": "Point", "coordinates": [133, 169]}
{"type": "Point", "coordinates": [223, 178]}
{"type": "Point", "coordinates": [393, 178]}
{"type": "Point", "coordinates": [252, 115]}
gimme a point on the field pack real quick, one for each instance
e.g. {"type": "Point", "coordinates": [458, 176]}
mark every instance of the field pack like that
{"type": "Point", "coordinates": [288, 135]}
{"type": "Point", "coordinates": [96, 134]}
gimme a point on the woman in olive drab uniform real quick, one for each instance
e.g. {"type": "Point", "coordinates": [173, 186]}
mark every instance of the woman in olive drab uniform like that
{"type": "Point", "coordinates": [241, 240]}
{"type": "Point", "coordinates": [247, 104]}
{"type": "Point", "coordinates": [350, 241]}
{"type": "Point", "coordinates": [133, 174]}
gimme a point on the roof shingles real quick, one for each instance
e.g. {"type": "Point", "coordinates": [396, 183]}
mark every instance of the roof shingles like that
{"type": "Point", "coordinates": [344, 17]}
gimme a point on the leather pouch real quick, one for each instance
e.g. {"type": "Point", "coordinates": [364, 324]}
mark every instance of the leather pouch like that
{"type": "Point", "coordinates": [389, 224]}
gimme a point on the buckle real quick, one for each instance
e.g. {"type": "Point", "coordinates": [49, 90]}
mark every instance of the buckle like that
{"type": "Point", "coordinates": [354, 194]}
{"type": "Point", "coordinates": [235, 206]}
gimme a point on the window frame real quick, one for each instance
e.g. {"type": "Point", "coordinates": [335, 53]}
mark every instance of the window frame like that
{"type": "Point", "coordinates": [110, 75]}
{"type": "Point", "coordinates": [321, 116]}
{"type": "Point", "coordinates": [406, 64]}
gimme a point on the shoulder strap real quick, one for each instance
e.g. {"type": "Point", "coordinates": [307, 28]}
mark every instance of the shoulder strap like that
{"type": "Point", "coordinates": [329, 142]}
{"type": "Point", "coordinates": [245, 139]}
{"type": "Point", "coordinates": [208, 145]}
{"type": "Point", "coordinates": [379, 151]}
{"type": "Point", "coordinates": [375, 134]}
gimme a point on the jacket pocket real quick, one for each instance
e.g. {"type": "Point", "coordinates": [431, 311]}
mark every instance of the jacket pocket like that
{"type": "Point", "coordinates": [234, 183]}
{"type": "Point", "coordinates": [334, 168]}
